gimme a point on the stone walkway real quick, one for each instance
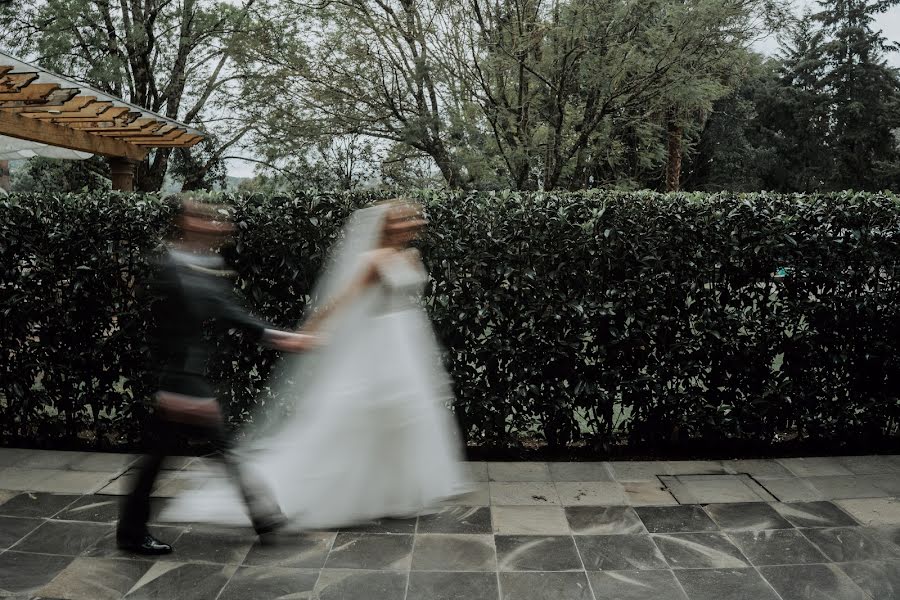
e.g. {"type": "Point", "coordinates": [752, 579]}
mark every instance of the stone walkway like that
{"type": "Point", "coordinates": [788, 529]}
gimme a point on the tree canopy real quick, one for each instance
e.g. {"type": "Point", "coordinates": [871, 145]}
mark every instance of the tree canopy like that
{"type": "Point", "coordinates": [521, 94]}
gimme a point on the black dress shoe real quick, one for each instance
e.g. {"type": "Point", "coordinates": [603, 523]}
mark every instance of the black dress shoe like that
{"type": "Point", "coordinates": [268, 531]}
{"type": "Point", "coordinates": [146, 545]}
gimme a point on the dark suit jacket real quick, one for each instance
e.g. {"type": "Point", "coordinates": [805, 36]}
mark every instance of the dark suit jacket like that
{"type": "Point", "coordinates": [190, 296]}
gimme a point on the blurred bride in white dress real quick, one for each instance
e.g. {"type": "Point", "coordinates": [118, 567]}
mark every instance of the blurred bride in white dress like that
{"type": "Point", "coordinates": [371, 435]}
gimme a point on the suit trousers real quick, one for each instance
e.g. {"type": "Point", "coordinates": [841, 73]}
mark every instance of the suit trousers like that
{"type": "Point", "coordinates": [262, 508]}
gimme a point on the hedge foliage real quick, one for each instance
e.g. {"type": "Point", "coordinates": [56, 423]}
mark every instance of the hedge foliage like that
{"type": "Point", "coordinates": [572, 319]}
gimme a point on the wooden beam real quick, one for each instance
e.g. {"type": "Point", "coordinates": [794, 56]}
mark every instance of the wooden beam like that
{"type": "Point", "coordinates": [4, 69]}
{"type": "Point", "coordinates": [35, 91]}
{"type": "Point", "coordinates": [136, 125]}
{"type": "Point", "coordinates": [12, 82]}
{"type": "Point", "coordinates": [73, 105]}
{"type": "Point", "coordinates": [119, 123]}
{"type": "Point", "coordinates": [107, 116]}
{"type": "Point", "coordinates": [55, 99]}
{"type": "Point", "coordinates": [24, 128]}
{"type": "Point", "coordinates": [180, 143]}
{"type": "Point", "coordinates": [91, 110]}
{"type": "Point", "coordinates": [60, 97]}
{"type": "Point", "coordinates": [160, 137]}
{"type": "Point", "coordinates": [157, 131]}
{"type": "Point", "coordinates": [140, 126]}
{"type": "Point", "coordinates": [182, 137]}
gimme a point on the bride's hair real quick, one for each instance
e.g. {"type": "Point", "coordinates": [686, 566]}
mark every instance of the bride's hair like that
{"type": "Point", "coordinates": [414, 206]}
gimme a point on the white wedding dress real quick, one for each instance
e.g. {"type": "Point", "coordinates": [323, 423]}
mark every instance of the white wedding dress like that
{"type": "Point", "coordinates": [371, 437]}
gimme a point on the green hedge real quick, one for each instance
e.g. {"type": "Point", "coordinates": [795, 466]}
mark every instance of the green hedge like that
{"type": "Point", "coordinates": [590, 319]}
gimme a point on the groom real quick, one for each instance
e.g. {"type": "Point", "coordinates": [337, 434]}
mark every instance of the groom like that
{"type": "Point", "coordinates": [192, 288]}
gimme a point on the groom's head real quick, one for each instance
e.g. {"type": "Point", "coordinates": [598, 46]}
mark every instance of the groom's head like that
{"type": "Point", "coordinates": [203, 224]}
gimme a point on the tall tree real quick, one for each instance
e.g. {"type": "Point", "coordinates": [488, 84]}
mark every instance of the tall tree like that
{"type": "Point", "coordinates": [517, 93]}
{"type": "Point", "coordinates": [359, 68]}
{"type": "Point", "coordinates": [864, 93]}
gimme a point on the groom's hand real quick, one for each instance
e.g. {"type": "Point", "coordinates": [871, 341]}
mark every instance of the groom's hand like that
{"type": "Point", "coordinates": [293, 342]}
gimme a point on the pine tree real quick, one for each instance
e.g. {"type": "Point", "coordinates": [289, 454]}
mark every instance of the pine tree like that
{"type": "Point", "coordinates": [864, 93]}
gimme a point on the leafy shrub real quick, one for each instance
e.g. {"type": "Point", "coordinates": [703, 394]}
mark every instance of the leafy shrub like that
{"type": "Point", "coordinates": [573, 319]}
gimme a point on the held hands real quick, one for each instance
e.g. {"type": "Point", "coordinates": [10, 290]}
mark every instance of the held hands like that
{"type": "Point", "coordinates": [293, 342]}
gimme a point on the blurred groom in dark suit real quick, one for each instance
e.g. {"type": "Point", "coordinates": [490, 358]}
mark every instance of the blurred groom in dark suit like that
{"type": "Point", "coordinates": [194, 290]}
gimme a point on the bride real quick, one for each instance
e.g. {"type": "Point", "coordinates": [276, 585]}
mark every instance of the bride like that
{"type": "Point", "coordinates": [370, 436]}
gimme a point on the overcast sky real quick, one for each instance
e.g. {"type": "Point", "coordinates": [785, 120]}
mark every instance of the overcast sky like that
{"type": "Point", "coordinates": [889, 23]}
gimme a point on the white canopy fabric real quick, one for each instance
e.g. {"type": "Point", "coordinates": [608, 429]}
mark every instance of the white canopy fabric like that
{"type": "Point", "coordinates": [16, 149]}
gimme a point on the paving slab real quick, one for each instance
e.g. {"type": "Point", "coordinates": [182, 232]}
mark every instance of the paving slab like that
{"type": "Point", "coordinates": [96, 579]}
{"type": "Point", "coordinates": [620, 552]}
{"type": "Point", "coordinates": [873, 511]}
{"type": "Point", "coordinates": [752, 516]}
{"type": "Point", "coordinates": [344, 584]}
{"type": "Point", "coordinates": [189, 581]}
{"type": "Point", "coordinates": [792, 490]}
{"type": "Point", "coordinates": [707, 489]}
{"type": "Point", "coordinates": [23, 574]}
{"type": "Point", "coordinates": [725, 584]}
{"type": "Point", "coordinates": [700, 551]}
{"type": "Point", "coordinates": [449, 552]}
{"type": "Point", "coordinates": [636, 585]}
{"type": "Point", "coordinates": [589, 493]}
{"type": "Point", "coordinates": [879, 579]}
{"type": "Point", "coordinates": [518, 471]}
{"type": "Point", "coordinates": [814, 514]}
{"type": "Point", "coordinates": [647, 493]}
{"type": "Point", "coordinates": [16, 479]}
{"type": "Point", "coordinates": [385, 552]}
{"type": "Point", "coordinates": [73, 482]}
{"type": "Point", "coordinates": [537, 553]}
{"type": "Point", "coordinates": [776, 547]}
{"type": "Point", "coordinates": [529, 520]}
{"type": "Point", "coordinates": [870, 465]}
{"type": "Point", "coordinates": [812, 582]}
{"type": "Point", "coordinates": [848, 486]}
{"type": "Point", "coordinates": [580, 471]}
{"type": "Point", "coordinates": [759, 468]}
{"type": "Point", "coordinates": [456, 519]}
{"type": "Point", "coordinates": [604, 520]}
{"type": "Point", "coordinates": [676, 519]}
{"type": "Point", "coordinates": [696, 467]}
{"type": "Point", "coordinates": [269, 583]}
{"type": "Point", "coordinates": [638, 470]}
{"type": "Point", "coordinates": [452, 586]}
{"type": "Point", "coordinates": [544, 586]}
{"type": "Point", "coordinates": [476, 471]}
{"type": "Point", "coordinates": [524, 494]}
{"type": "Point", "coordinates": [815, 466]}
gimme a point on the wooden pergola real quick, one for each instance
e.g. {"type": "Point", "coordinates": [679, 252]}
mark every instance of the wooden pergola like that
{"type": "Point", "coordinates": [39, 106]}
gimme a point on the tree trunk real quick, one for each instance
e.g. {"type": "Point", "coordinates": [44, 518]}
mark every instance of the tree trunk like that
{"type": "Point", "coordinates": [448, 167]}
{"type": "Point", "coordinates": [4, 175]}
{"type": "Point", "coordinates": [151, 174]}
{"type": "Point", "coordinates": [196, 182]}
{"type": "Point", "coordinates": [673, 162]}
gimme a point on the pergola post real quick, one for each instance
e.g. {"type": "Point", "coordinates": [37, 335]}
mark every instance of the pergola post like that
{"type": "Point", "coordinates": [121, 172]}
{"type": "Point", "coordinates": [4, 175]}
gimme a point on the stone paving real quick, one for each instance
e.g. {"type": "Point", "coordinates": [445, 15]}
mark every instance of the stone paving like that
{"type": "Point", "coordinates": [786, 529]}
